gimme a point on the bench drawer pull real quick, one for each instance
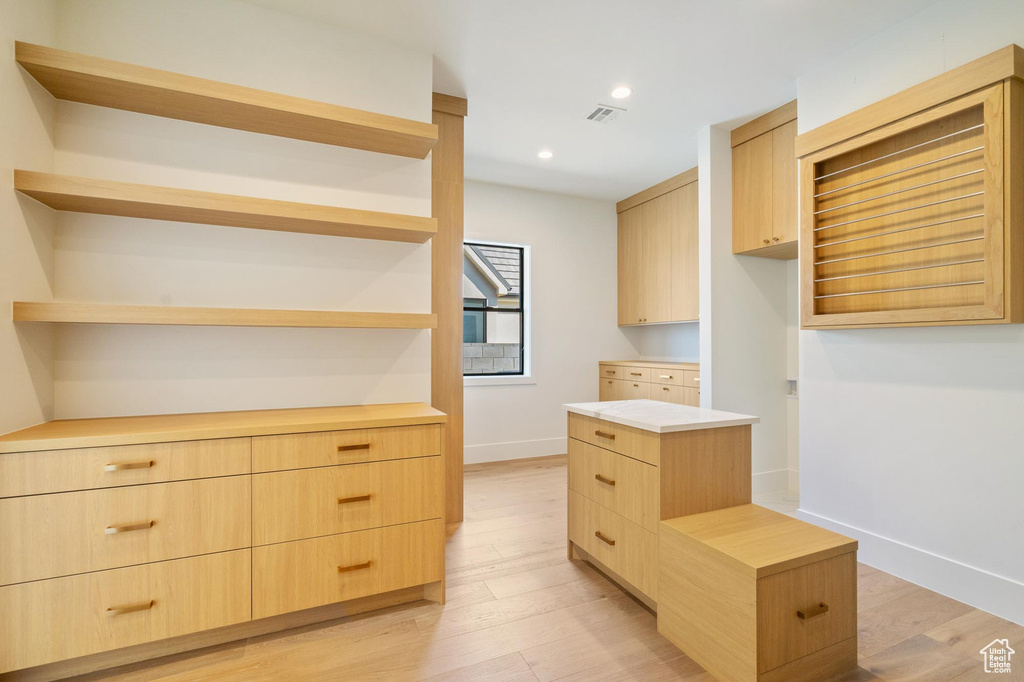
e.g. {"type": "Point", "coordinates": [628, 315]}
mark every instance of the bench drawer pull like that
{"type": "Point", "coordinates": [119, 610]}
{"type": "Point", "coordinates": [355, 567]}
{"type": "Point", "coordinates": [112, 530]}
{"type": "Point", "coordinates": [121, 466]}
{"type": "Point", "coordinates": [821, 608]}
{"type": "Point", "coordinates": [604, 539]}
{"type": "Point", "coordinates": [602, 434]}
{"type": "Point", "coordinates": [602, 479]}
{"type": "Point", "coordinates": [349, 448]}
{"type": "Point", "coordinates": [357, 498]}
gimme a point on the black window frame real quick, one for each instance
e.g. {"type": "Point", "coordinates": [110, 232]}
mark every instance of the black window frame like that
{"type": "Point", "coordinates": [521, 309]}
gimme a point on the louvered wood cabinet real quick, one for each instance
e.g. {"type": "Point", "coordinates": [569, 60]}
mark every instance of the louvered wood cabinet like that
{"type": "Point", "coordinates": [657, 253]}
{"type": "Point", "coordinates": [917, 219]}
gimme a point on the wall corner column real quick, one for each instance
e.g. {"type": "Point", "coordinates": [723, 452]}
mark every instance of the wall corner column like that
{"type": "Point", "coordinates": [446, 200]}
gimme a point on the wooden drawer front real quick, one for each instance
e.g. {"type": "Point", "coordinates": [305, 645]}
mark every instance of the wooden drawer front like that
{"type": "Point", "coordinates": [670, 376]}
{"type": "Point", "coordinates": [612, 371]}
{"type": "Point", "coordinates": [635, 443]}
{"type": "Point", "coordinates": [626, 486]}
{"type": "Point", "coordinates": [634, 556]}
{"type": "Point", "coordinates": [307, 573]}
{"type": "Point", "coordinates": [641, 374]}
{"type": "Point", "coordinates": [306, 503]}
{"type": "Point", "coordinates": [303, 450]}
{"type": "Point", "coordinates": [51, 620]}
{"type": "Point", "coordinates": [55, 471]}
{"type": "Point", "coordinates": [782, 636]}
{"type": "Point", "coordinates": [46, 536]}
{"type": "Point", "coordinates": [680, 395]}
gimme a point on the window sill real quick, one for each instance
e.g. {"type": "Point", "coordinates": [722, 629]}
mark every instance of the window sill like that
{"type": "Point", "coordinates": [468, 381]}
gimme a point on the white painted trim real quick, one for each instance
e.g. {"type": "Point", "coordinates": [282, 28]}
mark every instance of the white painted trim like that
{"type": "Point", "coordinates": [522, 449]}
{"type": "Point", "coordinates": [975, 586]}
{"type": "Point", "coordinates": [766, 482]}
{"type": "Point", "coordinates": [470, 380]}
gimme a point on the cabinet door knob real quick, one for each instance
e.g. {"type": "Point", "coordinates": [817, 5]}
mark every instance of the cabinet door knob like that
{"type": "Point", "coordinates": [767, 241]}
{"type": "Point", "coordinates": [775, 239]}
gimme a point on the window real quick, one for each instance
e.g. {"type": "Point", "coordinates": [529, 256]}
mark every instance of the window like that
{"type": "Point", "coordinates": [493, 309]}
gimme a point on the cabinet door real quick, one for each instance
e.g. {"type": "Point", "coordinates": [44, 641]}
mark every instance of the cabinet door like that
{"type": "Point", "coordinates": [784, 185]}
{"type": "Point", "coordinates": [607, 390]}
{"type": "Point", "coordinates": [660, 220]}
{"type": "Point", "coordinates": [752, 194]}
{"type": "Point", "coordinates": [631, 252]}
{"type": "Point", "coordinates": [685, 299]}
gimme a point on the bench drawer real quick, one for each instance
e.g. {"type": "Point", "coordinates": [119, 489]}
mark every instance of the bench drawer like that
{"type": "Point", "coordinates": [299, 575]}
{"type": "Point", "coordinates": [305, 503]}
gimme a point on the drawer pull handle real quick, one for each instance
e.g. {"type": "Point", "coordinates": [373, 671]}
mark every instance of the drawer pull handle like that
{"type": "Point", "coordinates": [354, 567]}
{"type": "Point", "coordinates": [636, 374]}
{"type": "Point", "coordinates": [664, 376]}
{"type": "Point", "coordinates": [604, 539]}
{"type": "Point", "coordinates": [664, 388]}
{"type": "Point", "coordinates": [636, 385]}
{"type": "Point", "coordinates": [696, 380]}
{"type": "Point", "coordinates": [131, 608]}
{"type": "Point", "coordinates": [111, 530]}
{"type": "Point", "coordinates": [121, 466]}
{"type": "Point", "coordinates": [350, 448]}
{"type": "Point", "coordinates": [821, 608]}
{"type": "Point", "coordinates": [609, 371]}
{"type": "Point", "coordinates": [602, 434]}
{"type": "Point", "coordinates": [358, 498]}
{"type": "Point", "coordinates": [606, 481]}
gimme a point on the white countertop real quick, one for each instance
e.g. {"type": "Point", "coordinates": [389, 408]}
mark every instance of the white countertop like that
{"type": "Point", "coordinates": [654, 415]}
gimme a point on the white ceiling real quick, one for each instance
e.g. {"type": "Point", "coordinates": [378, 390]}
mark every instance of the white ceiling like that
{"type": "Point", "coordinates": [533, 69]}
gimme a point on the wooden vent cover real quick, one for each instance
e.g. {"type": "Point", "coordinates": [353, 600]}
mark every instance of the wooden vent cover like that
{"type": "Point", "coordinates": [908, 224]}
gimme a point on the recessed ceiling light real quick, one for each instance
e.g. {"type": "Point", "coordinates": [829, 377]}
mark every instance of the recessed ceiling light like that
{"type": "Point", "coordinates": [622, 92]}
{"type": "Point", "coordinates": [544, 154]}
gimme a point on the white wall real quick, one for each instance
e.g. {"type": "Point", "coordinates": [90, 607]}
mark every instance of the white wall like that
{"type": "Point", "coordinates": [743, 310]}
{"type": "Point", "coordinates": [679, 342]}
{"type": "Point", "coordinates": [26, 228]}
{"type": "Point", "coordinates": [573, 295]}
{"type": "Point", "coordinates": [911, 439]}
{"type": "Point", "coordinates": [131, 370]}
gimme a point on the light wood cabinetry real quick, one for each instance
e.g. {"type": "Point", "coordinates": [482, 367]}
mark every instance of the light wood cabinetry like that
{"type": "Point", "coordinates": [623, 481]}
{"type": "Point", "coordinates": [764, 185]}
{"type": "Point", "coordinates": [677, 383]}
{"type": "Point", "coordinates": [754, 595]}
{"type": "Point", "coordinates": [913, 208]}
{"type": "Point", "coordinates": [658, 255]}
{"type": "Point", "coordinates": [154, 527]}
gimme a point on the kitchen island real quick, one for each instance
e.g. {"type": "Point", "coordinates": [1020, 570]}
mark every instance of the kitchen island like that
{"type": "Point", "coordinates": [633, 463]}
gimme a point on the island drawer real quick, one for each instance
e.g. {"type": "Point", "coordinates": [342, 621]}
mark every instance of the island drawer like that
{"type": "Point", "coordinates": [328, 448]}
{"type": "Point", "coordinates": [626, 486]}
{"type": "Point", "coordinates": [305, 503]}
{"type": "Point", "coordinates": [626, 440]}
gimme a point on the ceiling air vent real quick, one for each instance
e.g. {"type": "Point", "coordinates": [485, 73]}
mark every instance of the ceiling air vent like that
{"type": "Point", "coordinates": [604, 114]}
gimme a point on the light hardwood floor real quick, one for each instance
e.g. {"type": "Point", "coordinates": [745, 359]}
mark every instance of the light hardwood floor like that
{"type": "Point", "coordinates": [519, 610]}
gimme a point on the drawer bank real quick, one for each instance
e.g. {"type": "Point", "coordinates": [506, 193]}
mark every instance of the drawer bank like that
{"type": "Point", "coordinates": [130, 538]}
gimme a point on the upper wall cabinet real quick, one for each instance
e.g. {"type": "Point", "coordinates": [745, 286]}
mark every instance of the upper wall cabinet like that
{"type": "Point", "coordinates": [764, 185]}
{"type": "Point", "coordinates": [658, 253]}
{"type": "Point", "coordinates": [911, 209]}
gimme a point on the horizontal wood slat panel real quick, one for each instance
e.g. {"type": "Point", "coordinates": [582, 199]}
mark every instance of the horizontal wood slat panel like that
{"type": "Point", "coordinates": [107, 83]}
{"type": "Point", "coordinates": [87, 195]}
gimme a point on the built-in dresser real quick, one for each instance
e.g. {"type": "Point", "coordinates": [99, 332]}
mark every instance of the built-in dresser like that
{"type": "Point", "coordinates": [670, 382]}
{"type": "Point", "coordinates": [124, 531]}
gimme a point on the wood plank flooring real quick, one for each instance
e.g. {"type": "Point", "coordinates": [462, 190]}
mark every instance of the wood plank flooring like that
{"type": "Point", "coordinates": [519, 610]}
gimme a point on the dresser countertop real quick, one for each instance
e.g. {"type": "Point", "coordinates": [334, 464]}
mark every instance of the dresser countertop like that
{"type": "Point", "coordinates": [659, 417]}
{"type": "Point", "coordinates": [652, 363]}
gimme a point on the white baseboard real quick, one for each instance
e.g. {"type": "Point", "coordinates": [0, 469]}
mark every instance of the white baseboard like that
{"type": "Point", "coordinates": [766, 482]}
{"type": "Point", "coordinates": [989, 592]}
{"type": "Point", "coordinates": [520, 449]}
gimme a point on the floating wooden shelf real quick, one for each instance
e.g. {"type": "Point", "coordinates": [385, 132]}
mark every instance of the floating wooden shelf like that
{"type": "Point", "coordinates": [86, 195]}
{"type": "Point", "coordinates": [91, 80]}
{"type": "Point", "coordinates": [95, 313]}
